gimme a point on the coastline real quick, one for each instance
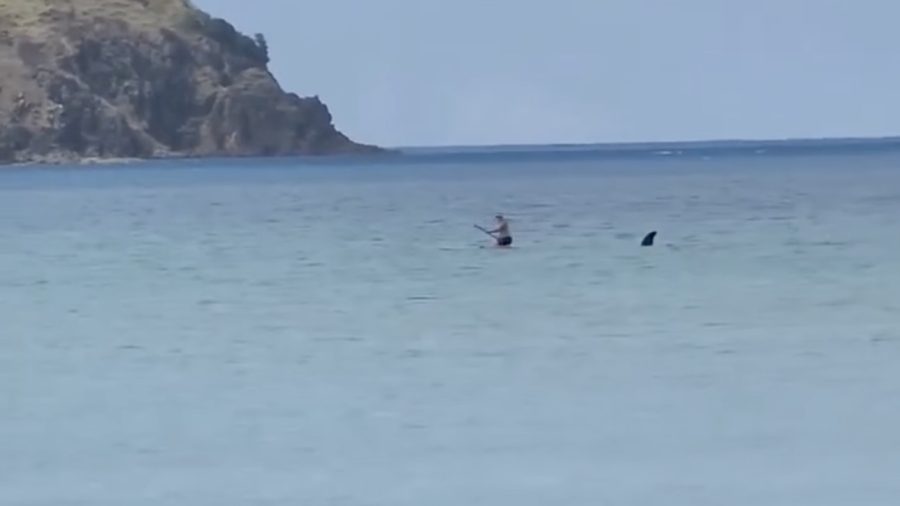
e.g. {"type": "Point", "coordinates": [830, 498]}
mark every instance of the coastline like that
{"type": "Point", "coordinates": [522, 152]}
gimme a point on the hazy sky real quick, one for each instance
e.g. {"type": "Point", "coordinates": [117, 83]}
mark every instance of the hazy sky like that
{"type": "Point", "coordinates": [437, 72]}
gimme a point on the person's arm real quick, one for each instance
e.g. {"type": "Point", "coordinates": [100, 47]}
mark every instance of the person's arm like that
{"type": "Point", "coordinates": [486, 231]}
{"type": "Point", "coordinates": [500, 229]}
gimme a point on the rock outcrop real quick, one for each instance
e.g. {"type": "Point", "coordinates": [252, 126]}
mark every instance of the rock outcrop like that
{"type": "Point", "coordinates": [95, 79]}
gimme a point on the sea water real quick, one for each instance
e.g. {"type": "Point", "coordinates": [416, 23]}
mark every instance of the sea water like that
{"type": "Point", "coordinates": [337, 333]}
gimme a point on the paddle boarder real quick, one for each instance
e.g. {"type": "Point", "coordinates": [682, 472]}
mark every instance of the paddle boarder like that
{"type": "Point", "coordinates": [500, 234]}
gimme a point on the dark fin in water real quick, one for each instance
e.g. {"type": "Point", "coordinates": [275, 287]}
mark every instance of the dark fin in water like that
{"type": "Point", "coordinates": [648, 239]}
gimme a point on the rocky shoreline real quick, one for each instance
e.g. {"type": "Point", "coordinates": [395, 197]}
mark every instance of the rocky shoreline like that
{"type": "Point", "coordinates": [98, 80]}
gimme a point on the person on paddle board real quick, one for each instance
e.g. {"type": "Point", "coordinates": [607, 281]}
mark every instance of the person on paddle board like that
{"type": "Point", "coordinates": [501, 233]}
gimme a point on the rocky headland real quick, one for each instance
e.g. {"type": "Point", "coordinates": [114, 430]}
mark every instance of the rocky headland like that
{"type": "Point", "coordinates": [134, 79]}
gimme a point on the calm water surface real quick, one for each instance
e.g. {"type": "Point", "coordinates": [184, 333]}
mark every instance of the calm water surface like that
{"type": "Point", "coordinates": [283, 333]}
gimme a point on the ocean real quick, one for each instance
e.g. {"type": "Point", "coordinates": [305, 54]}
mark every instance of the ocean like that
{"type": "Point", "coordinates": [336, 332]}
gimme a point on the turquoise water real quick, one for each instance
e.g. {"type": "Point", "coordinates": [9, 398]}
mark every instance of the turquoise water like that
{"type": "Point", "coordinates": [296, 332]}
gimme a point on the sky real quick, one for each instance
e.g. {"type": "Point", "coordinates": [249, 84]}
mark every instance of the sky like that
{"type": "Point", "coordinates": [483, 72]}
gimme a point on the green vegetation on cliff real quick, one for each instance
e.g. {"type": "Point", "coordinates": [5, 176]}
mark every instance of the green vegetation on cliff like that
{"type": "Point", "coordinates": [145, 78]}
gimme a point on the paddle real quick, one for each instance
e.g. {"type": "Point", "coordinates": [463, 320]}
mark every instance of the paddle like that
{"type": "Point", "coordinates": [484, 230]}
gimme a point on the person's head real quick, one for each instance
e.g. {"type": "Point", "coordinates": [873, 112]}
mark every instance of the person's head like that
{"type": "Point", "coordinates": [499, 217]}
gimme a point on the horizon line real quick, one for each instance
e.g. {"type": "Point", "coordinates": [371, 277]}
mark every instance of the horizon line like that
{"type": "Point", "coordinates": [723, 140]}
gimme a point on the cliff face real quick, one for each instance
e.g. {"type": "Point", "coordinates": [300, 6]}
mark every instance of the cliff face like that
{"type": "Point", "coordinates": [144, 78]}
